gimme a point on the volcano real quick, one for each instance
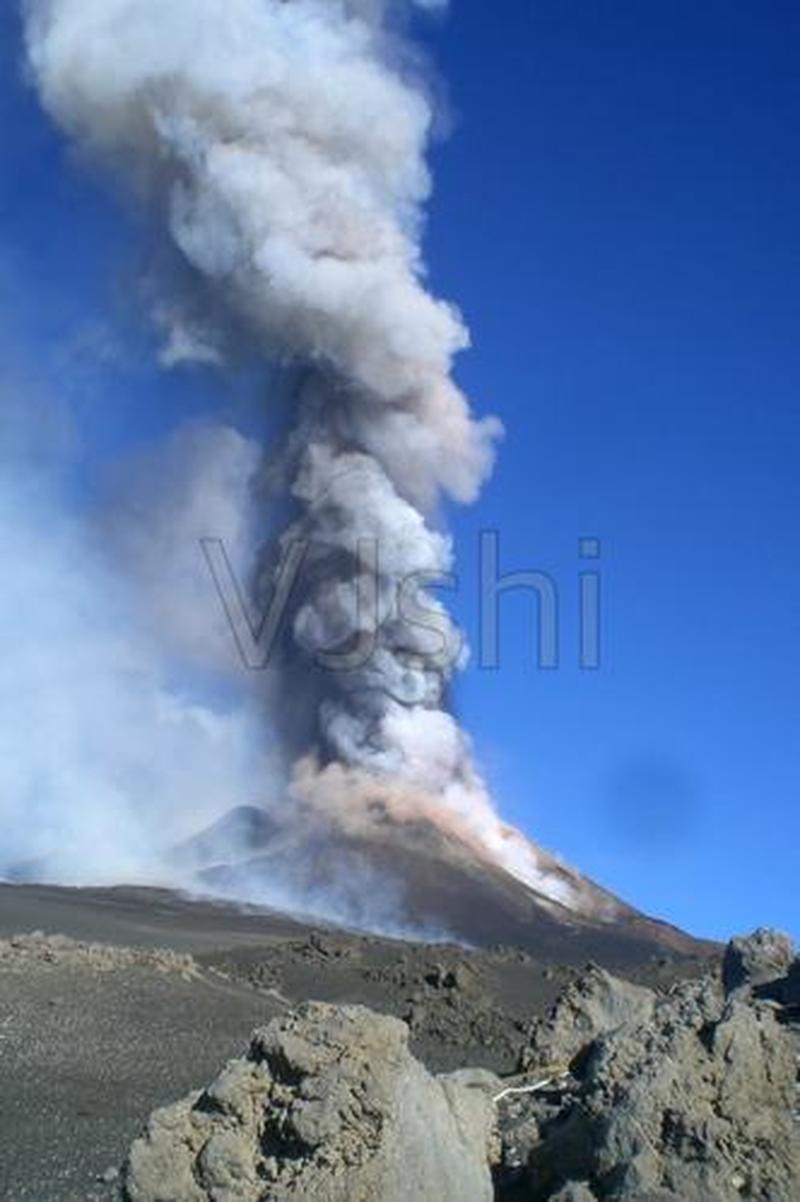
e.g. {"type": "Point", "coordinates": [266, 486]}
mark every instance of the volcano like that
{"type": "Point", "coordinates": [414, 879]}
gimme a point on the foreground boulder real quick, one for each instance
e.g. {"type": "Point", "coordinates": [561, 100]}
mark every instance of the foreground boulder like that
{"type": "Point", "coordinates": [687, 1097]}
{"type": "Point", "coordinates": [328, 1106]}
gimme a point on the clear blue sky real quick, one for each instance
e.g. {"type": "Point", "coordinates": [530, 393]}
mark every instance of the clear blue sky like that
{"type": "Point", "coordinates": [616, 211]}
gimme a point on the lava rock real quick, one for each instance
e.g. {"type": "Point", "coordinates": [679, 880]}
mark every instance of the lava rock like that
{"type": "Point", "coordinates": [791, 985]}
{"type": "Point", "coordinates": [691, 1098]}
{"type": "Point", "coordinates": [328, 1106]}
{"type": "Point", "coordinates": [592, 1005]}
{"type": "Point", "coordinates": [756, 960]}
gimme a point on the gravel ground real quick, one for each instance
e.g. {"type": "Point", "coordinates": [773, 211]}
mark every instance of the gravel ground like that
{"type": "Point", "coordinates": [100, 1017]}
{"type": "Point", "coordinates": [87, 1052]}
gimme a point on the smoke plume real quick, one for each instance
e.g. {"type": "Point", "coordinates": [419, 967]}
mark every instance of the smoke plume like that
{"type": "Point", "coordinates": [281, 145]}
{"type": "Point", "coordinates": [105, 761]}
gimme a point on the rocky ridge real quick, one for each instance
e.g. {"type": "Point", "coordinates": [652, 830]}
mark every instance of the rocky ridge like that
{"type": "Point", "coordinates": [692, 1095]}
{"type": "Point", "coordinates": [621, 1093]}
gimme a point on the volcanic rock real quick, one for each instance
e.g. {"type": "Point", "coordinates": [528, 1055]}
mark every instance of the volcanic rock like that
{"type": "Point", "coordinates": [757, 960]}
{"type": "Point", "coordinates": [328, 1106]}
{"type": "Point", "coordinates": [594, 1004]}
{"type": "Point", "coordinates": [686, 1097]}
{"type": "Point", "coordinates": [791, 986]}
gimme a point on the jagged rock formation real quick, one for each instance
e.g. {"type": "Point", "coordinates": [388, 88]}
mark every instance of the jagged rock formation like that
{"type": "Point", "coordinates": [328, 1106]}
{"type": "Point", "coordinates": [756, 961]}
{"type": "Point", "coordinates": [688, 1097]}
{"type": "Point", "coordinates": [592, 1005]}
{"type": "Point", "coordinates": [623, 1095]}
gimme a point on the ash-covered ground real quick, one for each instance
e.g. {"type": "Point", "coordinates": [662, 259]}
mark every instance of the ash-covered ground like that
{"type": "Point", "coordinates": [132, 997]}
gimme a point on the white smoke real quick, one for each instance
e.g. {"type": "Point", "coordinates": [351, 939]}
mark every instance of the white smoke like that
{"type": "Point", "coordinates": [282, 144]}
{"type": "Point", "coordinates": [289, 162]}
{"type": "Point", "coordinates": [159, 504]}
{"type": "Point", "coordinates": [104, 761]}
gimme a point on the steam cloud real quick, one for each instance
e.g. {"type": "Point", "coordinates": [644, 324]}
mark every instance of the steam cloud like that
{"type": "Point", "coordinates": [281, 143]}
{"type": "Point", "coordinates": [104, 761]}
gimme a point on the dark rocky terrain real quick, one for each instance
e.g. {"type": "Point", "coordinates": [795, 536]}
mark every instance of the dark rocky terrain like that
{"type": "Point", "coordinates": [501, 1065]}
{"type": "Point", "coordinates": [94, 1038]}
{"type": "Point", "coordinates": [624, 1094]}
{"type": "Point", "coordinates": [643, 1096]}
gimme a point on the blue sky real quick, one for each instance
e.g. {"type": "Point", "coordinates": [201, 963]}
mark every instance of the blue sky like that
{"type": "Point", "coordinates": [616, 212]}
